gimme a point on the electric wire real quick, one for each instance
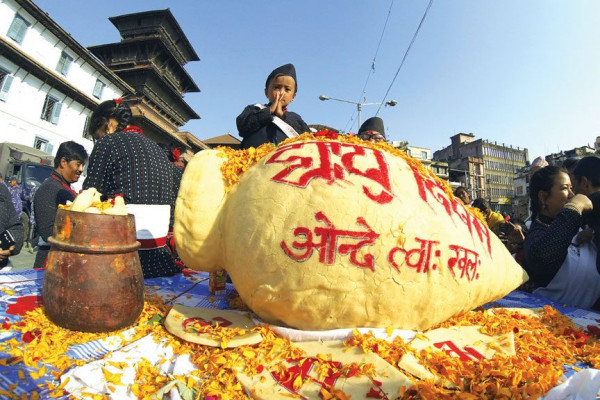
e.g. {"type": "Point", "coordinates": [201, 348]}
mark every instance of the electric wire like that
{"type": "Point", "coordinates": [372, 67]}
{"type": "Point", "coordinates": [405, 55]}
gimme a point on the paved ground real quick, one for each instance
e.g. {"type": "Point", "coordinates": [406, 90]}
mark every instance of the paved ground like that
{"type": "Point", "coordinates": [23, 260]}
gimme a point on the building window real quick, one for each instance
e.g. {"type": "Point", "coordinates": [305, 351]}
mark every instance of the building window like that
{"type": "Point", "coordinates": [64, 63]}
{"type": "Point", "coordinates": [424, 155]}
{"type": "Point", "coordinates": [51, 110]}
{"type": "Point", "coordinates": [18, 28]}
{"type": "Point", "coordinates": [5, 82]}
{"type": "Point", "coordinates": [98, 88]}
{"type": "Point", "coordinates": [85, 134]}
{"type": "Point", "coordinates": [42, 144]}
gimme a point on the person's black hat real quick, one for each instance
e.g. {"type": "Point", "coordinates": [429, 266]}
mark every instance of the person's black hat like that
{"type": "Point", "coordinates": [284, 70]}
{"type": "Point", "coordinates": [372, 124]}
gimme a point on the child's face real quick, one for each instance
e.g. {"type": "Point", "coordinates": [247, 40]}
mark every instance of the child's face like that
{"type": "Point", "coordinates": [284, 86]}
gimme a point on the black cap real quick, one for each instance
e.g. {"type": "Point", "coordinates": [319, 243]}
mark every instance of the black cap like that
{"type": "Point", "coordinates": [372, 124]}
{"type": "Point", "coordinates": [284, 70]}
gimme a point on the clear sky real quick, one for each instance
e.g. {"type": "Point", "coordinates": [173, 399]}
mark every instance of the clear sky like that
{"type": "Point", "coordinates": [522, 73]}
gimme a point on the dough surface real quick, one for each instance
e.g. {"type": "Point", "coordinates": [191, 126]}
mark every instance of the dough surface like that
{"type": "Point", "coordinates": [328, 234]}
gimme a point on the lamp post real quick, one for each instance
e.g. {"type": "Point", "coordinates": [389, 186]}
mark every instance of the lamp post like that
{"type": "Point", "coordinates": [390, 103]}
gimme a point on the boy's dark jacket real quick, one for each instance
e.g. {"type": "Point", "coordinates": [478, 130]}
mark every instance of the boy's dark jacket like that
{"type": "Point", "coordinates": [256, 126]}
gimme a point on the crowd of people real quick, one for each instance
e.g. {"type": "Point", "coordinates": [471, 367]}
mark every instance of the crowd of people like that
{"type": "Point", "coordinates": [123, 162]}
{"type": "Point", "coordinates": [558, 249]}
{"type": "Point", "coordinates": [11, 227]}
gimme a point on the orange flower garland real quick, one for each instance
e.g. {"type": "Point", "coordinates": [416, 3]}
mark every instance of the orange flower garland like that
{"type": "Point", "coordinates": [238, 161]}
{"type": "Point", "coordinates": [543, 345]}
{"type": "Point", "coordinates": [44, 343]}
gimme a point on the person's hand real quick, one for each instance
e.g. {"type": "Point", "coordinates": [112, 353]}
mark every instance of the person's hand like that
{"type": "Point", "coordinates": [582, 202]}
{"type": "Point", "coordinates": [516, 235]}
{"type": "Point", "coordinates": [4, 254]}
{"type": "Point", "coordinates": [584, 236]}
{"type": "Point", "coordinates": [277, 106]}
{"type": "Point", "coordinates": [512, 236]}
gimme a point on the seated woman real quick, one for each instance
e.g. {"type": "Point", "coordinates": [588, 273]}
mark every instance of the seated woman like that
{"type": "Point", "coordinates": [559, 267]}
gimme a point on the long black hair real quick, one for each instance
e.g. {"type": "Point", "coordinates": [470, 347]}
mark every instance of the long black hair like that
{"type": "Point", "coordinates": [116, 109]}
{"type": "Point", "coordinates": [542, 180]}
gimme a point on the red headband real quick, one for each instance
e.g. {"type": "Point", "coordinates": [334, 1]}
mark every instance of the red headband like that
{"type": "Point", "coordinates": [176, 153]}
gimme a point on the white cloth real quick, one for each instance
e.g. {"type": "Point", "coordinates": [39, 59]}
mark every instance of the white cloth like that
{"type": "Point", "coordinates": [297, 335]}
{"type": "Point", "coordinates": [90, 378]}
{"type": "Point", "coordinates": [584, 385]}
{"type": "Point", "coordinates": [281, 124]}
{"type": "Point", "coordinates": [151, 220]}
{"type": "Point", "coordinates": [577, 282]}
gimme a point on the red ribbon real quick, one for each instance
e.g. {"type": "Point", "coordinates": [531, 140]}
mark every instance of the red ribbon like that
{"type": "Point", "coordinates": [133, 128]}
{"type": "Point", "coordinates": [64, 185]}
{"type": "Point", "coordinates": [154, 243]}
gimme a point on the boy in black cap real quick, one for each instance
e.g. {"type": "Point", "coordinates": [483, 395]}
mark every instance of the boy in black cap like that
{"type": "Point", "coordinates": [372, 130]}
{"type": "Point", "coordinates": [260, 123]}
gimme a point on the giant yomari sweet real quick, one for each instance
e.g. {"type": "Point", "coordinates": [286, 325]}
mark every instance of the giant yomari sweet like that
{"type": "Point", "coordinates": [322, 234]}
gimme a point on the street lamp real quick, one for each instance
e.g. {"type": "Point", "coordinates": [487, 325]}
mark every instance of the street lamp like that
{"type": "Point", "coordinates": [390, 103]}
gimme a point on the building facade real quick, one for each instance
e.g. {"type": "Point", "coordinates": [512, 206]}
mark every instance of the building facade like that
{"type": "Point", "coordinates": [423, 154]}
{"type": "Point", "coordinates": [501, 164]}
{"type": "Point", "coordinates": [227, 140]}
{"type": "Point", "coordinates": [49, 83]}
{"type": "Point", "coordinates": [487, 169]}
{"type": "Point", "coordinates": [151, 57]}
{"type": "Point", "coordinates": [577, 152]}
{"type": "Point", "coordinates": [521, 198]}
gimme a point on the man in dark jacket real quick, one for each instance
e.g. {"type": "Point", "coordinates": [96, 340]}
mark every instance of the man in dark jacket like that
{"type": "Point", "coordinates": [56, 190]}
{"type": "Point", "coordinates": [11, 223]}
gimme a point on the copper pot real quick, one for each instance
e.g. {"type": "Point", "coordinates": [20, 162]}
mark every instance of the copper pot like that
{"type": "Point", "coordinates": [93, 280]}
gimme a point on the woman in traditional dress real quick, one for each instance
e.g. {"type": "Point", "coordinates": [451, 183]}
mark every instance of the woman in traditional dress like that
{"type": "Point", "coordinates": [126, 162]}
{"type": "Point", "coordinates": [560, 266]}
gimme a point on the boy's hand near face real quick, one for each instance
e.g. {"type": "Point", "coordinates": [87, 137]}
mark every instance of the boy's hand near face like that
{"type": "Point", "coordinates": [277, 106]}
{"type": "Point", "coordinates": [280, 92]}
